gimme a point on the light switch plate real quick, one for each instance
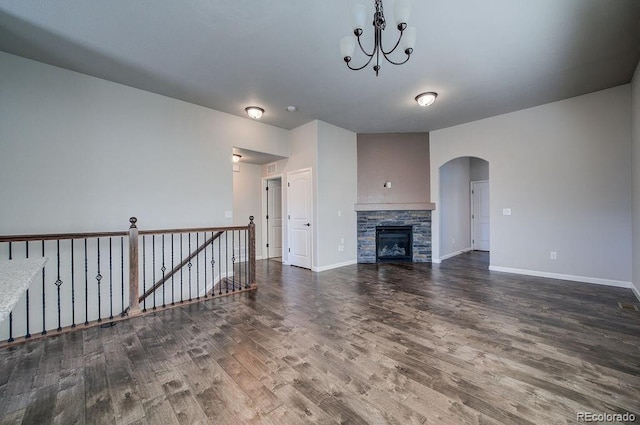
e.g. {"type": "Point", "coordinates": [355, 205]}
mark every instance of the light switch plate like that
{"type": "Point", "coordinates": [228, 214]}
{"type": "Point", "coordinates": [506, 211]}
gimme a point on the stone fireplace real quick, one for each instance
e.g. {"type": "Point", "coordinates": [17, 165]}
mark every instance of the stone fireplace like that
{"type": "Point", "coordinates": [417, 221]}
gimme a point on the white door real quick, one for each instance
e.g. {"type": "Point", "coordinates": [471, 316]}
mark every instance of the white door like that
{"type": "Point", "coordinates": [274, 211]}
{"type": "Point", "coordinates": [480, 215]}
{"type": "Point", "coordinates": [299, 213]}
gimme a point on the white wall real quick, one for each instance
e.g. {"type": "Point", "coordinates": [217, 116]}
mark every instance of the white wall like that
{"type": "Point", "coordinates": [247, 199]}
{"type": "Point", "coordinates": [455, 204]}
{"type": "Point", "coordinates": [330, 152]}
{"type": "Point", "coordinates": [303, 154]}
{"type": "Point", "coordinates": [564, 169]}
{"type": "Point", "coordinates": [337, 193]}
{"type": "Point", "coordinates": [79, 153]}
{"type": "Point", "coordinates": [635, 88]}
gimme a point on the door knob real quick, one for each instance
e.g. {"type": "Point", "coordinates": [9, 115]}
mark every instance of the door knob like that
{"type": "Point", "coordinates": [308, 224]}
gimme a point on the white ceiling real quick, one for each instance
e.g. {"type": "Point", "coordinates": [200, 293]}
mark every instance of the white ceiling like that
{"type": "Point", "coordinates": [484, 58]}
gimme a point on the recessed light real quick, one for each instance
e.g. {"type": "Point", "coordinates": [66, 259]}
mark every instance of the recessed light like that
{"type": "Point", "coordinates": [291, 108]}
{"type": "Point", "coordinates": [426, 99]}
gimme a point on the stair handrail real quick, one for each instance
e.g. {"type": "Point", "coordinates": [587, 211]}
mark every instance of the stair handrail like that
{"type": "Point", "coordinates": [177, 268]}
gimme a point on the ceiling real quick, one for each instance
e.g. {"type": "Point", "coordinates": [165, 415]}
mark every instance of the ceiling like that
{"type": "Point", "coordinates": [484, 58]}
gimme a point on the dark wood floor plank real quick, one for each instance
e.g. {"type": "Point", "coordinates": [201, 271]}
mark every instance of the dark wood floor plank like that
{"type": "Point", "coordinates": [99, 405]}
{"type": "Point", "coordinates": [70, 401]}
{"type": "Point", "coordinates": [41, 406]}
{"type": "Point", "coordinates": [390, 343]}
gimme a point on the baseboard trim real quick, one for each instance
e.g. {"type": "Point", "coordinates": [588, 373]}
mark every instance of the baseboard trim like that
{"type": "Point", "coordinates": [334, 266]}
{"type": "Point", "coordinates": [575, 278]}
{"type": "Point", "coordinates": [635, 292]}
{"type": "Point", "coordinates": [453, 254]}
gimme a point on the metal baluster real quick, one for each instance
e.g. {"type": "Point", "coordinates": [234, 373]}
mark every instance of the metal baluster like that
{"type": "Point", "coordinates": [11, 312]}
{"type": "Point", "coordinates": [28, 334]}
{"type": "Point", "coordinates": [240, 259]}
{"type": "Point", "coordinates": [164, 269]}
{"type": "Point", "coordinates": [73, 288]}
{"type": "Point", "coordinates": [144, 273]}
{"type": "Point", "coordinates": [226, 260]}
{"type": "Point", "coordinates": [86, 284]}
{"type": "Point", "coordinates": [58, 282]}
{"type": "Point", "coordinates": [213, 270]}
{"type": "Point", "coordinates": [122, 276]}
{"type": "Point", "coordinates": [153, 267]}
{"type": "Point", "coordinates": [246, 258]}
{"type": "Point", "coordinates": [189, 265]}
{"type": "Point", "coordinates": [205, 266]}
{"type": "Point", "coordinates": [110, 281]}
{"type": "Point", "coordinates": [99, 279]}
{"type": "Point", "coordinates": [197, 267]}
{"type": "Point", "coordinates": [233, 260]}
{"type": "Point", "coordinates": [44, 327]}
{"type": "Point", "coordinates": [220, 265]}
{"type": "Point", "coordinates": [181, 279]}
{"type": "Point", "coordinates": [173, 297]}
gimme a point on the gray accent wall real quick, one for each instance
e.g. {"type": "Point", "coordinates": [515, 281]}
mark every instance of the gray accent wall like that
{"type": "Point", "coordinates": [564, 170]}
{"type": "Point", "coordinates": [402, 159]}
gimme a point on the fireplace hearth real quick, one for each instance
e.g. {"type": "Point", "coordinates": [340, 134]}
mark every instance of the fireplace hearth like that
{"type": "Point", "coordinates": [394, 244]}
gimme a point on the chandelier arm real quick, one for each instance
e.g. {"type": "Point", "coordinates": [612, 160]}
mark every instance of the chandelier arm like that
{"type": "Point", "coordinates": [363, 66]}
{"type": "Point", "coordinates": [396, 63]}
{"type": "Point", "coordinates": [364, 51]}
{"type": "Point", "coordinates": [394, 47]}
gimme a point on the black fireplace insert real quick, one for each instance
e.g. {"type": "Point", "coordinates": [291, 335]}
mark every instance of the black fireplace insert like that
{"type": "Point", "coordinates": [394, 244]}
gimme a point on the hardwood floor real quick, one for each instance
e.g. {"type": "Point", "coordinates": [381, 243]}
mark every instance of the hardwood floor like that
{"type": "Point", "coordinates": [364, 344]}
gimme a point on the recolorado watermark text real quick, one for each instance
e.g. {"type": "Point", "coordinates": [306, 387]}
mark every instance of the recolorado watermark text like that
{"type": "Point", "coordinates": [605, 417]}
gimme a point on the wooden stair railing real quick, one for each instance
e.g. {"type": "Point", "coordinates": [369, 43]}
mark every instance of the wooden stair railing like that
{"type": "Point", "coordinates": [86, 278]}
{"type": "Point", "coordinates": [177, 268]}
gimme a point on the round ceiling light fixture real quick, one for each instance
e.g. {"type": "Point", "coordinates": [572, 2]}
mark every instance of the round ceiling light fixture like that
{"type": "Point", "coordinates": [254, 112]}
{"type": "Point", "coordinates": [426, 99]}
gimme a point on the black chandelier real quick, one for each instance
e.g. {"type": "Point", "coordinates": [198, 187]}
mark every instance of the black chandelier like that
{"type": "Point", "coordinates": [407, 38]}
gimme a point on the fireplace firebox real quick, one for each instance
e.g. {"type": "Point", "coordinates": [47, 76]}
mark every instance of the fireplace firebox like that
{"type": "Point", "coordinates": [394, 244]}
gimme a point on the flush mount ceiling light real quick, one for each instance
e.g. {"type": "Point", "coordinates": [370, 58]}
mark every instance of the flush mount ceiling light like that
{"type": "Point", "coordinates": [254, 112]}
{"type": "Point", "coordinates": [406, 40]}
{"type": "Point", "coordinates": [236, 157]}
{"type": "Point", "coordinates": [426, 99]}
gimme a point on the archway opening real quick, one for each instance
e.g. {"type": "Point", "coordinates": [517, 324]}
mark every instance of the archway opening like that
{"type": "Point", "coordinates": [464, 206]}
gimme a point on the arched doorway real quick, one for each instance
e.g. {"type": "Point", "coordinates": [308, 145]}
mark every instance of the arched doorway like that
{"type": "Point", "coordinates": [464, 206]}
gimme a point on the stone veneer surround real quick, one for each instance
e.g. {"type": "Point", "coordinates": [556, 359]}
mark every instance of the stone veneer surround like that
{"type": "Point", "coordinates": [420, 220]}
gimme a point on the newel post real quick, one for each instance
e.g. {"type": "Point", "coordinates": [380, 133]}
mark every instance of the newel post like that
{"type": "Point", "coordinates": [252, 253]}
{"type": "Point", "coordinates": [134, 304]}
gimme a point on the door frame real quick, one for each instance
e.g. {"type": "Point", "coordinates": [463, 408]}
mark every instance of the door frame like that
{"type": "Point", "coordinates": [265, 230]}
{"type": "Point", "coordinates": [473, 224]}
{"type": "Point", "coordinates": [288, 220]}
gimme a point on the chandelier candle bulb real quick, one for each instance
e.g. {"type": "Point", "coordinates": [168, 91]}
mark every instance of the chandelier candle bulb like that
{"type": "Point", "coordinates": [409, 40]}
{"type": "Point", "coordinates": [358, 17]}
{"type": "Point", "coordinates": [401, 13]}
{"type": "Point", "coordinates": [347, 46]}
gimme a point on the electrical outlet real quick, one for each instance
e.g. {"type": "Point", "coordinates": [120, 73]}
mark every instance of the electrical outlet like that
{"type": "Point", "coordinates": [340, 248]}
{"type": "Point", "coordinates": [553, 255]}
{"type": "Point", "coordinates": [341, 241]}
